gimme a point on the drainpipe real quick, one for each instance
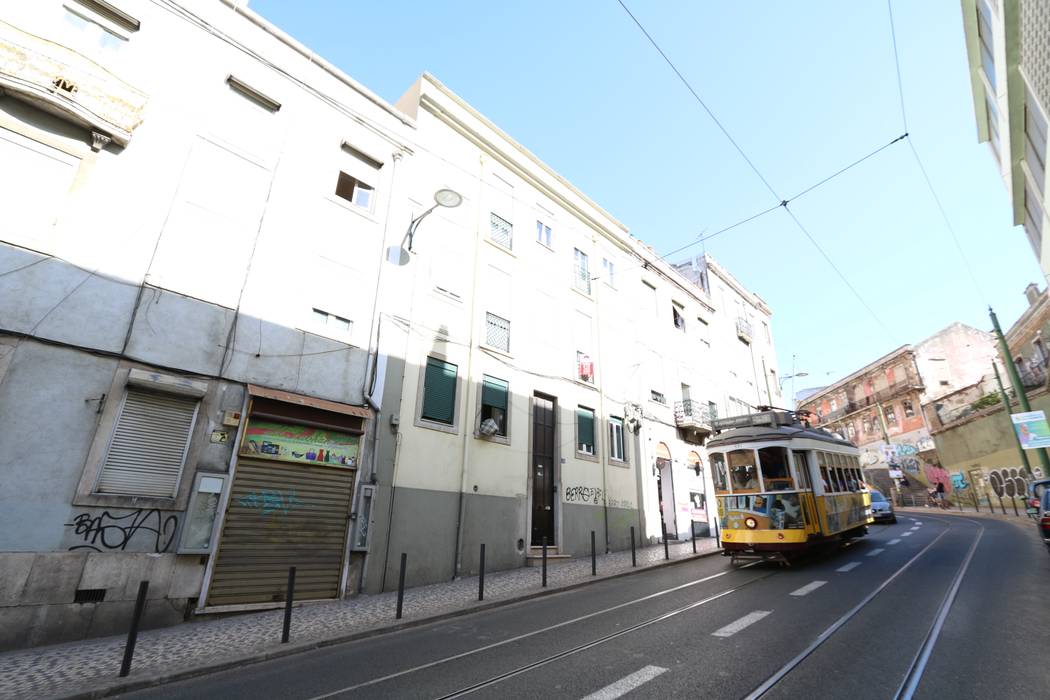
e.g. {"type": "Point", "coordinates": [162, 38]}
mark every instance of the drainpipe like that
{"type": "Point", "coordinates": [601, 408]}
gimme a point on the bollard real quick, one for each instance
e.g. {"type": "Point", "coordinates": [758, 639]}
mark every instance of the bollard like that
{"type": "Point", "coordinates": [288, 605]}
{"type": "Point", "coordinates": [976, 502]}
{"type": "Point", "coordinates": [667, 553]}
{"type": "Point", "coordinates": [133, 633]}
{"type": "Point", "coordinates": [958, 502]}
{"type": "Point", "coordinates": [594, 559]}
{"type": "Point", "coordinates": [1013, 502]}
{"type": "Point", "coordinates": [401, 585]}
{"type": "Point", "coordinates": [634, 562]}
{"type": "Point", "coordinates": [481, 574]}
{"type": "Point", "coordinates": [544, 562]}
{"type": "Point", "coordinates": [1001, 503]}
{"type": "Point", "coordinates": [692, 531]}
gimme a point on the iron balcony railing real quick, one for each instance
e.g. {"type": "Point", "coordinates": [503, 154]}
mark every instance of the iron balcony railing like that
{"type": "Point", "coordinates": [692, 414]}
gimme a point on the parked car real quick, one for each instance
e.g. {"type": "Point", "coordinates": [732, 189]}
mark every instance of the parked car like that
{"type": "Point", "coordinates": [1035, 494]}
{"type": "Point", "coordinates": [1042, 517]}
{"type": "Point", "coordinates": [881, 508]}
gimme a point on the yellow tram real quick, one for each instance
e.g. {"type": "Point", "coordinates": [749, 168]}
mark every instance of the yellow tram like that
{"type": "Point", "coordinates": [783, 487]}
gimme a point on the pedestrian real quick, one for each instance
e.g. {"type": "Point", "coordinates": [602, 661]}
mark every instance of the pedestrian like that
{"type": "Point", "coordinates": [940, 495]}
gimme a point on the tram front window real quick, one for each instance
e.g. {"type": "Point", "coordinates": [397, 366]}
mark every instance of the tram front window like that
{"type": "Point", "coordinates": [743, 471]}
{"type": "Point", "coordinates": [718, 468]}
{"type": "Point", "coordinates": [775, 473]}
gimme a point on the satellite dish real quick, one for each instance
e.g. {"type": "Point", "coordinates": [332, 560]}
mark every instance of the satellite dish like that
{"type": "Point", "coordinates": [488, 427]}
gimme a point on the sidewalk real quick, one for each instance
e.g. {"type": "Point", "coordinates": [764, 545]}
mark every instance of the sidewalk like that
{"type": "Point", "coordinates": [89, 668]}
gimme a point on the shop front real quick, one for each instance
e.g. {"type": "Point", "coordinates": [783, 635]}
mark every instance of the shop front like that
{"type": "Point", "coordinates": [290, 502]}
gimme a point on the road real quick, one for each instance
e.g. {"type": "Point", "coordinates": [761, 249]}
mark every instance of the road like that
{"type": "Point", "coordinates": [940, 605]}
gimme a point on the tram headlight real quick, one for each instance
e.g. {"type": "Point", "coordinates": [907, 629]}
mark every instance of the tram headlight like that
{"type": "Point", "coordinates": [751, 523]}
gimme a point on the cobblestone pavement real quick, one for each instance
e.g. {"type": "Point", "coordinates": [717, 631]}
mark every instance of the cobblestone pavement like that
{"type": "Point", "coordinates": [65, 669]}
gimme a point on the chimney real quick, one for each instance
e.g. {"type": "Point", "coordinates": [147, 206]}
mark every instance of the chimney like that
{"type": "Point", "coordinates": [1031, 293]}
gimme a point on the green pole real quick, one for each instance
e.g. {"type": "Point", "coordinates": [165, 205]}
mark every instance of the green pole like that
{"type": "Point", "coordinates": [1006, 403]}
{"type": "Point", "coordinates": [1015, 381]}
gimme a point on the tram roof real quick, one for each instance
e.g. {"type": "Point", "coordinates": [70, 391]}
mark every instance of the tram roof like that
{"type": "Point", "coordinates": [771, 433]}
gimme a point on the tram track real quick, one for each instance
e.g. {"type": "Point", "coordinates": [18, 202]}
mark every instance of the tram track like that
{"type": "Point", "coordinates": [917, 666]}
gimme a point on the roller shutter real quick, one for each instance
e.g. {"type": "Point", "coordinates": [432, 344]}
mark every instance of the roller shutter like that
{"type": "Point", "coordinates": [282, 514]}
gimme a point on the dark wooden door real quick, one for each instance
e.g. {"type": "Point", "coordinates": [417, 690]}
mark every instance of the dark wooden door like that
{"type": "Point", "coordinates": [543, 418]}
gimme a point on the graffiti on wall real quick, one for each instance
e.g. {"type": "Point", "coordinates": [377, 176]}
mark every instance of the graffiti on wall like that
{"type": "Point", "coordinates": [1008, 482]}
{"type": "Point", "coordinates": [107, 531]}
{"type": "Point", "coordinates": [936, 475]}
{"type": "Point", "coordinates": [269, 501]}
{"type": "Point", "coordinates": [583, 494]}
{"type": "Point", "coordinates": [959, 481]}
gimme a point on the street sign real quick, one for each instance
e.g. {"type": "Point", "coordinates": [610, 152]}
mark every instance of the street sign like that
{"type": "Point", "coordinates": [1032, 429]}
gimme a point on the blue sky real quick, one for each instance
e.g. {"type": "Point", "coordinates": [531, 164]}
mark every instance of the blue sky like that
{"type": "Point", "coordinates": [804, 87]}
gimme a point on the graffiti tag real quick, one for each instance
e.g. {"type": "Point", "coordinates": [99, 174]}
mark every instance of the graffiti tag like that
{"type": "Point", "coordinates": [269, 501]}
{"type": "Point", "coordinates": [959, 481]}
{"type": "Point", "coordinates": [1008, 482]}
{"type": "Point", "coordinates": [583, 494]}
{"type": "Point", "coordinates": [109, 531]}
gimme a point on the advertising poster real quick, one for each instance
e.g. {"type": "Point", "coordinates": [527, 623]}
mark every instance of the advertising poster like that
{"type": "Point", "coordinates": [298, 443]}
{"type": "Point", "coordinates": [1032, 429]}
{"type": "Point", "coordinates": [699, 507]}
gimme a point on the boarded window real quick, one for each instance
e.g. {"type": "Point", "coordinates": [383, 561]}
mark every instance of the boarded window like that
{"type": "Point", "coordinates": [439, 391]}
{"type": "Point", "coordinates": [148, 448]}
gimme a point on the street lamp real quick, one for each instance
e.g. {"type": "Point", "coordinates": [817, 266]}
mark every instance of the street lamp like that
{"type": "Point", "coordinates": [791, 376]}
{"type": "Point", "coordinates": [450, 199]}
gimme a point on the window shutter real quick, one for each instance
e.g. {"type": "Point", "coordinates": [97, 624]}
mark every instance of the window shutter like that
{"type": "Point", "coordinates": [148, 449]}
{"type": "Point", "coordinates": [494, 392]}
{"type": "Point", "coordinates": [439, 391]}
{"type": "Point", "coordinates": [585, 423]}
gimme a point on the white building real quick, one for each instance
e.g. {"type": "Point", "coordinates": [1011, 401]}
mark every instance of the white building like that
{"type": "Point", "coordinates": [558, 378]}
{"type": "Point", "coordinates": [194, 212]}
{"type": "Point", "coordinates": [1009, 55]}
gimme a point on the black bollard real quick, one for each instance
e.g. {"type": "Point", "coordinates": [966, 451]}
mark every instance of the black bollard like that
{"type": "Point", "coordinates": [1001, 505]}
{"type": "Point", "coordinates": [667, 552]}
{"type": "Point", "coordinates": [594, 559]}
{"type": "Point", "coordinates": [976, 502]}
{"type": "Point", "coordinates": [544, 562]}
{"type": "Point", "coordinates": [133, 633]}
{"type": "Point", "coordinates": [634, 562]}
{"type": "Point", "coordinates": [289, 596]}
{"type": "Point", "coordinates": [692, 531]}
{"type": "Point", "coordinates": [401, 585]}
{"type": "Point", "coordinates": [1013, 502]}
{"type": "Point", "coordinates": [481, 574]}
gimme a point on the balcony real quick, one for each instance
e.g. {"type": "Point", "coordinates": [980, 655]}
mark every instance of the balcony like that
{"type": "Point", "coordinates": [743, 330]}
{"type": "Point", "coordinates": [64, 82]}
{"type": "Point", "coordinates": [693, 419]}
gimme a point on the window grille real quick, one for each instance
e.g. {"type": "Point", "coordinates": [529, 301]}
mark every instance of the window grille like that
{"type": "Point", "coordinates": [501, 231]}
{"type": "Point", "coordinates": [497, 332]}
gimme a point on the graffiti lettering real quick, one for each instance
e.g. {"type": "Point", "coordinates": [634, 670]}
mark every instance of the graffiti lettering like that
{"type": "Point", "coordinates": [108, 531]}
{"type": "Point", "coordinates": [583, 494]}
{"type": "Point", "coordinates": [959, 481]}
{"type": "Point", "coordinates": [1008, 482]}
{"type": "Point", "coordinates": [269, 501]}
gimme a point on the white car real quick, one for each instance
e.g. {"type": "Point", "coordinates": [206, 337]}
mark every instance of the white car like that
{"type": "Point", "coordinates": [881, 509]}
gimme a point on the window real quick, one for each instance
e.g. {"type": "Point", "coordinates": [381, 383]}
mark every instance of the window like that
{"type": "Point", "coordinates": [585, 430]}
{"type": "Point", "coordinates": [609, 272]}
{"type": "Point", "coordinates": [354, 191]}
{"type": "Point", "coordinates": [332, 325]}
{"type": "Point", "coordinates": [993, 124]}
{"type": "Point", "coordinates": [657, 396]}
{"type": "Point", "coordinates": [247, 91]}
{"type": "Point", "coordinates": [743, 472]}
{"type": "Point", "coordinates": [492, 420]}
{"type": "Point", "coordinates": [891, 415]}
{"type": "Point", "coordinates": [501, 231]}
{"type": "Point", "coordinates": [712, 409]}
{"type": "Point", "coordinates": [358, 177]}
{"type": "Point", "coordinates": [775, 473]}
{"type": "Point", "coordinates": [1033, 218]}
{"type": "Point", "coordinates": [497, 332]}
{"type": "Point", "coordinates": [866, 424]}
{"type": "Point", "coordinates": [439, 392]}
{"type": "Point", "coordinates": [543, 233]}
{"type": "Point", "coordinates": [616, 451]}
{"type": "Point", "coordinates": [909, 409]}
{"type": "Point", "coordinates": [677, 316]}
{"type": "Point", "coordinates": [147, 451]}
{"type": "Point", "coordinates": [584, 367]}
{"type": "Point", "coordinates": [111, 13]}
{"type": "Point", "coordinates": [718, 472]}
{"type": "Point", "coordinates": [581, 271]}
{"type": "Point", "coordinates": [851, 431]}
{"type": "Point", "coordinates": [1035, 140]}
{"type": "Point", "coordinates": [99, 33]}
{"type": "Point", "coordinates": [984, 35]}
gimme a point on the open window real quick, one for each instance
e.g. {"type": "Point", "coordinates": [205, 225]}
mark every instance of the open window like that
{"type": "Point", "coordinates": [719, 473]}
{"type": "Point", "coordinates": [775, 472]}
{"type": "Point", "coordinates": [743, 471]}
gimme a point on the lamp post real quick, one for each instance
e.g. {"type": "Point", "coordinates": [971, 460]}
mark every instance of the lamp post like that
{"type": "Point", "coordinates": [447, 198]}
{"type": "Point", "coordinates": [792, 378]}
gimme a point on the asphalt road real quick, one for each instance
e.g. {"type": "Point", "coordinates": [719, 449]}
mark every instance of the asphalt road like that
{"type": "Point", "coordinates": [939, 604]}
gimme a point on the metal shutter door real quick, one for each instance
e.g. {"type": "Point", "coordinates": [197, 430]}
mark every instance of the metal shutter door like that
{"type": "Point", "coordinates": [148, 448]}
{"type": "Point", "coordinates": [280, 515]}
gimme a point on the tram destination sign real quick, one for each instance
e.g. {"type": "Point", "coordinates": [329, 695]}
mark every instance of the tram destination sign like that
{"type": "Point", "coordinates": [754, 420]}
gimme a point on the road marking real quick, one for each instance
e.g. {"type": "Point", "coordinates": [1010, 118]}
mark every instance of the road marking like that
{"type": "Point", "coordinates": [744, 622]}
{"type": "Point", "coordinates": [808, 588]}
{"type": "Point", "coordinates": [914, 527]}
{"type": "Point", "coordinates": [627, 683]}
{"type": "Point", "coordinates": [895, 540]}
{"type": "Point", "coordinates": [907, 534]}
{"type": "Point", "coordinates": [876, 552]}
{"type": "Point", "coordinates": [848, 567]}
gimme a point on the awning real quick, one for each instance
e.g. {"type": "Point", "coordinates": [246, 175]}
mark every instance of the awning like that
{"type": "Point", "coordinates": [300, 400]}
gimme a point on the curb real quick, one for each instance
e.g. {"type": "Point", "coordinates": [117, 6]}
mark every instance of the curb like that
{"type": "Point", "coordinates": [291, 649]}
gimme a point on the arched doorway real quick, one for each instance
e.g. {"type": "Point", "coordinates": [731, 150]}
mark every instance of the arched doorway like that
{"type": "Point", "coordinates": [665, 491]}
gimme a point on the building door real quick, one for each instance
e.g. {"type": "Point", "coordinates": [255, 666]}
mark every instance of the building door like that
{"type": "Point", "coordinates": [544, 410]}
{"type": "Point", "coordinates": [665, 491]}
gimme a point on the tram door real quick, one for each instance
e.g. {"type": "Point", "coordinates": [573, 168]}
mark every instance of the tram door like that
{"type": "Point", "coordinates": [805, 482]}
{"type": "Point", "coordinates": [543, 417]}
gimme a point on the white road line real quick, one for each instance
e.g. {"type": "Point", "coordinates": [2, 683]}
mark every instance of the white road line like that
{"type": "Point", "coordinates": [744, 622]}
{"type": "Point", "coordinates": [907, 534]}
{"type": "Point", "coordinates": [876, 552]}
{"type": "Point", "coordinates": [627, 684]}
{"type": "Point", "coordinates": [848, 567]}
{"type": "Point", "coordinates": [914, 527]}
{"type": "Point", "coordinates": [895, 540]}
{"type": "Point", "coordinates": [808, 588]}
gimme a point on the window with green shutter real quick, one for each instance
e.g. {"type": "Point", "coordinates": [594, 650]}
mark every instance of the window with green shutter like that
{"type": "Point", "coordinates": [439, 392]}
{"type": "Point", "coordinates": [494, 406]}
{"type": "Point", "coordinates": [584, 430]}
